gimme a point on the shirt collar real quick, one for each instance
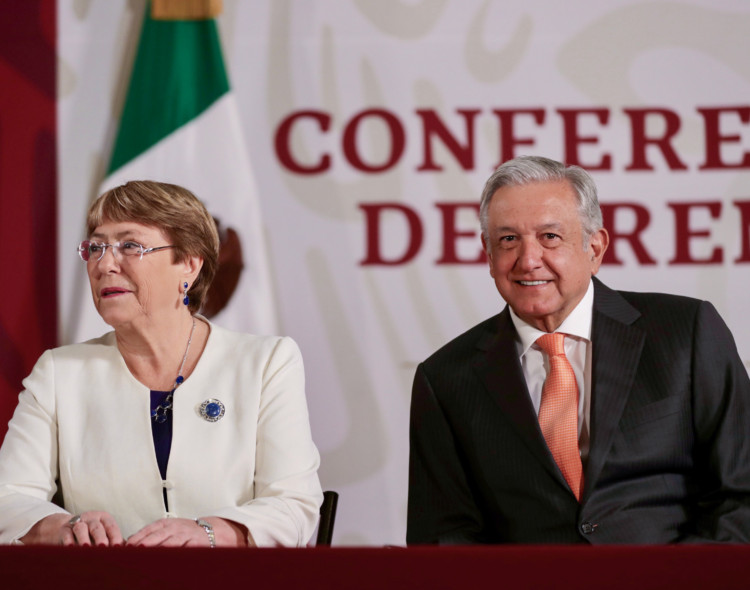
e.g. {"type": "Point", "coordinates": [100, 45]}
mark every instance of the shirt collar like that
{"type": "Point", "coordinates": [578, 322]}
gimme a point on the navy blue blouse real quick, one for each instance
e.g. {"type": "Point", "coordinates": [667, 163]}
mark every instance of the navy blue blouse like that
{"type": "Point", "coordinates": [162, 433]}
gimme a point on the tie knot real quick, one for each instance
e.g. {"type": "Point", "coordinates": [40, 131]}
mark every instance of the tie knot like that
{"type": "Point", "coordinates": [552, 344]}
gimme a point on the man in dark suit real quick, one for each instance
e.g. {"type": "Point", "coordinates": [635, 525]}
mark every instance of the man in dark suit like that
{"type": "Point", "coordinates": [658, 409]}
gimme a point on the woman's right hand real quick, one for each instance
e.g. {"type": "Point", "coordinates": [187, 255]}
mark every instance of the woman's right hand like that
{"type": "Point", "coordinates": [88, 528]}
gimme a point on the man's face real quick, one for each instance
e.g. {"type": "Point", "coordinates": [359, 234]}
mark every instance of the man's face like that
{"type": "Point", "coordinates": [536, 252]}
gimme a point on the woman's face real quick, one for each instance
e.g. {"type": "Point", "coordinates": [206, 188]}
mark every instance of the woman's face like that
{"type": "Point", "coordinates": [128, 289]}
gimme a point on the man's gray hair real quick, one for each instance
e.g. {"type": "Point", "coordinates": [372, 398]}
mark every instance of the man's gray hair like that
{"type": "Point", "coordinates": [530, 169]}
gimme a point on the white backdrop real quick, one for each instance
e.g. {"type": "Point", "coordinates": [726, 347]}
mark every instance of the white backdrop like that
{"type": "Point", "coordinates": [363, 327]}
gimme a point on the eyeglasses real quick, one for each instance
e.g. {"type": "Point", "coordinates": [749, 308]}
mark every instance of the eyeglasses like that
{"type": "Point", "coordinates": [94, 251]}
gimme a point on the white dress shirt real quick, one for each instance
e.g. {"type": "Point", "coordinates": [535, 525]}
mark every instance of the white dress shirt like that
{"type": "Point", "coordinates": [535, 364]}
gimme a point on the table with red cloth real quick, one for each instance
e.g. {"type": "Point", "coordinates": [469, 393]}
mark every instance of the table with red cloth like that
{"type": "Point", "coordinates": [511, 567]}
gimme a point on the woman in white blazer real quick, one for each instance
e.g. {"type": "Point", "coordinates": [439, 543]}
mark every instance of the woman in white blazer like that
{"type": "Point", "coordinates": [168, 430]}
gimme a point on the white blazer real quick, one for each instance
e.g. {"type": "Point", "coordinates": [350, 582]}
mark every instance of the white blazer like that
{"type": "Point", "coordinates": [85, 420]}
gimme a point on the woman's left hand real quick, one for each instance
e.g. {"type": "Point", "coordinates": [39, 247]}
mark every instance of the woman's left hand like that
{"type": "Point", "coordinates": [183, 532]}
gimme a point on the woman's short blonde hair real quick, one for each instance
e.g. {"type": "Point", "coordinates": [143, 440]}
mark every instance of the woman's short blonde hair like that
{"type": "Point", "coordinates": [175, 211]}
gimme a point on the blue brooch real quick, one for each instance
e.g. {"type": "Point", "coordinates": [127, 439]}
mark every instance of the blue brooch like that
{"type": "Point", "coordinates": [212, 410]}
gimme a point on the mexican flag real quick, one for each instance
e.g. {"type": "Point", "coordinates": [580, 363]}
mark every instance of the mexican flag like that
{"type": "Point", "coordinates": [180, 124]}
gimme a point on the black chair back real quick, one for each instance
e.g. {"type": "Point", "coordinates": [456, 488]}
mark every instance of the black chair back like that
{"type": "Point", "coordinates": [327, 519]}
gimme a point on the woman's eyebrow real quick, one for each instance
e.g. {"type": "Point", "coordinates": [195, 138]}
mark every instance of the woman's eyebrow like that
{"type": "Point", "coordinates": [128, 233]}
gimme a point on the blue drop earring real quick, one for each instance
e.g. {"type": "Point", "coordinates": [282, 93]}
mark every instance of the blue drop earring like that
{"type": "Point", "coordinates": [185, 298]}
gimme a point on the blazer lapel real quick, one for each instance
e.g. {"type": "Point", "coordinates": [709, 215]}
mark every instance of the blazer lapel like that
{"type": "Point", "coordinates": [617, 350]}
{"type": "Point", "coordinates": [499, 369]}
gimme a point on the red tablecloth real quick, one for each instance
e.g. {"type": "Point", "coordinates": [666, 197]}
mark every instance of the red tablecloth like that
{"type": "Point", "coordinates": [579, 567]}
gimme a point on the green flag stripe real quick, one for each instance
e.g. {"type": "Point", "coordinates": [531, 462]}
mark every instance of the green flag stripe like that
{"type": "Point", "coordinates": [178, 73]}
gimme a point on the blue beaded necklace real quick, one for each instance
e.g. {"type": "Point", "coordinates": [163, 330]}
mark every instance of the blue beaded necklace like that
{"type": "Point", "coordinates": [159, 413]}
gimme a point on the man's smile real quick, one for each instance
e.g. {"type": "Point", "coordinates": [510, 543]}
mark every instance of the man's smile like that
{"type": "Point", "coordinates": [532, 283]}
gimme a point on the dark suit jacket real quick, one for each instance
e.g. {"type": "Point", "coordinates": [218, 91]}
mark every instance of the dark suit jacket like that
{"type": "Point", "coordinates": [669, 458]}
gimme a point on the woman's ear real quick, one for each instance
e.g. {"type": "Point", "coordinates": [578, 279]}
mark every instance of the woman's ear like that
{"type": "Point", "coordinates": [192, 266]}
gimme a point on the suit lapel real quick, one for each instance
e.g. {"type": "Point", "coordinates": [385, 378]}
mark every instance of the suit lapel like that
{"type": "Point", "coordinates": [617, 350]}
{"type": "Point", "coordinates": [499, 369]}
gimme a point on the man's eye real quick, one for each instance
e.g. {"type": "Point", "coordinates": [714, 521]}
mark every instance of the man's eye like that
{"type": "Point", "coordinates": [550, 236]}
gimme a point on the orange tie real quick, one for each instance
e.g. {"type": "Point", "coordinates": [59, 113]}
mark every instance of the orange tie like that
{"type": "Point", "coordinates": [558, 411]}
